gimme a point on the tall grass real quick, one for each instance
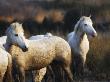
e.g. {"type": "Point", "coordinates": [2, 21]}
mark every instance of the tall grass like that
{"type": "Point", "coordinates": [98, 59]}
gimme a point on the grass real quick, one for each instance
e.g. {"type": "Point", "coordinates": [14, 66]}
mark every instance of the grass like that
{"type": "Point", "coordinates": [98, 58]}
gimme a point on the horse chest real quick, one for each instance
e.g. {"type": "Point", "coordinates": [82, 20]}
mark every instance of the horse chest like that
{"type": "Point", "coordinates": [84, 46]}
{"type": "Point", "coordinates": [79, 47]}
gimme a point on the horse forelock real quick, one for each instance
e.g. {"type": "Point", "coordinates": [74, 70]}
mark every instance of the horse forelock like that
{"type": "Point", "coordinates": [16, 27]}
{"type": "Point", "coordinates": [86, 19]}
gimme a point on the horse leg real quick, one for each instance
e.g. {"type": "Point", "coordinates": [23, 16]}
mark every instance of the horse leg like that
{"type": "Point", "coordinates": [56, 73]}
{"type": "Point", "coordinates": [8, 73]}
{"type": "Point", "coordinates": [21, 74]}
{"type": "Point", "coordinates": [76, 65]}
{"type": "Point", "coordinates": [83, 60]}
{"type": "Point", "coordinates": [52, 73]}
{"type": "Point", "coordinates": [85, 66]}
{"type": "Point", "coordinates": [68, 72]}
{"type": "Point", "coordinates": [66, 63]}
{"type": "Point", "coordinates": [49, 74]}
{"type": "Point", "coordinates": [79, 65]}
{"type": "Point", "coordinates": [15, 73]}
{"type": "Point", "coordinates": [29, 76]}
{"type": "Point", "coordinates": [1, 77]}
{"type": "Point", "coordinates": [40, 74]}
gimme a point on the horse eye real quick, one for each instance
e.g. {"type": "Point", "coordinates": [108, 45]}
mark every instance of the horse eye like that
{"type": "Point", "coordinates": [16, 34]}
{"type": "Point", "coordinates": [85, 24]}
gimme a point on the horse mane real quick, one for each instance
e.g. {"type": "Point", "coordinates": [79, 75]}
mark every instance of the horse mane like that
{"type": "Point", "coordinates": [78, 23]}
{"type": "Point", "coordinates": [8, 30]}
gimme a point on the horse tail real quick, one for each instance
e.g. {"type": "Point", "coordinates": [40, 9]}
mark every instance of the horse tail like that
{"type": "Point", "coordinates": [8, 73]}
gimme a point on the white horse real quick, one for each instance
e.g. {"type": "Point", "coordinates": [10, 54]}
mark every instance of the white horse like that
{"type": "Point", "coordinates": [39, 53]}
{"type": "Point", "coordinates": [6, 43]}
{"type": "Point", "coordinates": [79, 42]}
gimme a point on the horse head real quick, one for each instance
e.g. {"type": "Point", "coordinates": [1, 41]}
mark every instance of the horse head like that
{"type": "Point", "coordinates": [85, 25]}
{"type": "Point", "coordinates": [15, 35]}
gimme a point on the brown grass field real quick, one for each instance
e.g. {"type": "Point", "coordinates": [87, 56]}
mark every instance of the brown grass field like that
{"type": "Point", "coordinates": [98, 59]}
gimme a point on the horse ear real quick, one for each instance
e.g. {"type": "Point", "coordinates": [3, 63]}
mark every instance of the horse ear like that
{"type": "Point", "coordinates": [20, 23]}
{"type": "Point", "coordinates": [90, 15]}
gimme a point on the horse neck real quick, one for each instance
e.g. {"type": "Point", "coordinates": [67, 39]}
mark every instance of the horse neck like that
{"type": "Point", "coordinates": [8, 44]}
{"type": "Point", "coordinates": [80, 36]}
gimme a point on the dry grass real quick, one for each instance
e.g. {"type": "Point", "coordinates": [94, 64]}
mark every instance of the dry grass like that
{"type": "Point", "coordinates": [98, 59]}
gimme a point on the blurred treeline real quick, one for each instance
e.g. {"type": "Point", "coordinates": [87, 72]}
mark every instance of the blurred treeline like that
{"type": "Point", "coordinates": [59, 17]}
{"type": "Point", "coordinates": [52, 15]}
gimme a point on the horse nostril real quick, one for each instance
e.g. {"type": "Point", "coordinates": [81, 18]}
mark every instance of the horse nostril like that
{"type": "Point", "coordinates": [24, 49]}
{"type": "Point", "coordinates": [94, 35]}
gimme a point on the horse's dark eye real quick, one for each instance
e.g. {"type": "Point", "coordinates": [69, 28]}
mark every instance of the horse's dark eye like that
{"type": "Point", "coordinates": [16, 34]}
{"type": "Point", "coordinates": [85, 24]}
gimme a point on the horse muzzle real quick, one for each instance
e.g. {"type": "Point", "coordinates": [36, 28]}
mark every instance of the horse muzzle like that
{"type": "Point", "coordinates": [94, 35]}
{"type": "Point", "coordinates": [24, 49]}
